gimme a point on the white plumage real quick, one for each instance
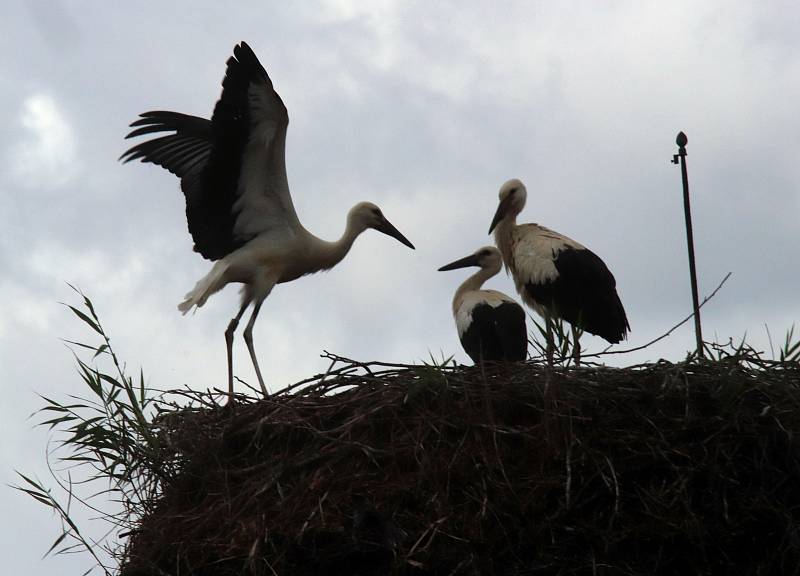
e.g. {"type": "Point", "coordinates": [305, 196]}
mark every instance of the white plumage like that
{"type": "Point", "coordinates": [536, 249]}
{"type": "Point", "coordinates": [532, 259]}
{"type": "Point", "coordinates": [238, 206]}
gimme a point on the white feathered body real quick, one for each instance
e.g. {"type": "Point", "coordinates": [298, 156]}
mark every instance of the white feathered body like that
{"type": "Point", "coordinates": [560, 278]}
{"type": "Point", "coordinates": [529, 253]}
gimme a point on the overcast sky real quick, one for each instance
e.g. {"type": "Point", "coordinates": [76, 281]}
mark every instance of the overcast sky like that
{"type": "Point", "coordinates": [425, 111]}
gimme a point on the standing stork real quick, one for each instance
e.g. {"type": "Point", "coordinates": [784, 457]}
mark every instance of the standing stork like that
{"type": "Point", "coordinates": [491, 326]}
{"type": "Point", "coordinates": [238, 207]}
{"type": "Point", "coordinates": [557, 276]}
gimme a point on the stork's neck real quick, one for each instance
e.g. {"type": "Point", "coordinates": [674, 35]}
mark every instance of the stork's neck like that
{"type": "Point", "coordinates": [503, 237]}
{"type": "Point", "coordinates": [473, 283]}
{"type": "Point", "coordinates": [331, 253]}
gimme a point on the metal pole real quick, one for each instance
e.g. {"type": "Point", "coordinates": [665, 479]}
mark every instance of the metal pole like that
{"type": "Point", "coordinates": [681, 141]}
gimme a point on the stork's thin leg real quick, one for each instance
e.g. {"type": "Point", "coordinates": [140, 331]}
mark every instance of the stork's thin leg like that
{"type": "Point", "coordinates": [550, 350]}
{"type": "Point", "coordinates": [229, 342]}
{"type": "Point", "coordinates": [576, 346]}
{"type": "Point", "coordinates": [248, 338]}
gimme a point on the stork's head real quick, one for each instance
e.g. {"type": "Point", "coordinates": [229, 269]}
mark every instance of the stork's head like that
{"type": "Point", "coordinates": [488, 258]}
{"type": "Point", "coordinates": [512, 201]}
{"type": "Point", "coordinates": [367, 215]}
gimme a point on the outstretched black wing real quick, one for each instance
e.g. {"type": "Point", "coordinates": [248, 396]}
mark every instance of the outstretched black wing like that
{"type": "Point", "coordinates": [232, 168]}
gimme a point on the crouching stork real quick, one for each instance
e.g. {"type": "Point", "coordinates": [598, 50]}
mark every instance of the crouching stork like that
{"type": "Point", "coordinates": [557, 276]}
{"type": "Point", "coordinates": [238, 207]}
{"type": "Point", "coordinates": [491, 326]}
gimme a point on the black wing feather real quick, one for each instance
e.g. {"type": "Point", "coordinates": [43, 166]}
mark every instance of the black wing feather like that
{"type": "Point", "coordinates": [170, 151]}
{"type": "Point", "coordinates": [206, 154]}
{"type": "Point", "coordinates": [584, 294]}
{"type": "Point", "coordinates": [512, 332]}
{"type": "Point", "coordinates": [496, 333]}
{"type": "Point", "coordinates": [210, 200]}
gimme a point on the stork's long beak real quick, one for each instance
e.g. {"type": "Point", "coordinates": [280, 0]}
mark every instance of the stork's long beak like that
{"type": "Point", "coordinates": [471, 260]}
{"type": "Point", "coordinates": [387, 228]}
{"type": "Point", "coordinates": [502, 208]}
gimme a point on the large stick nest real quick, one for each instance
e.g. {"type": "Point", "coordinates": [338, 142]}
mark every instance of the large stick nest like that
{"type": "Point", "coordinates": [686, 468]}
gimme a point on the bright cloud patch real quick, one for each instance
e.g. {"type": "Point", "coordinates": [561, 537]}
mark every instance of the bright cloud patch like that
{"type": "Point", "coordinates": [46, 156]}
